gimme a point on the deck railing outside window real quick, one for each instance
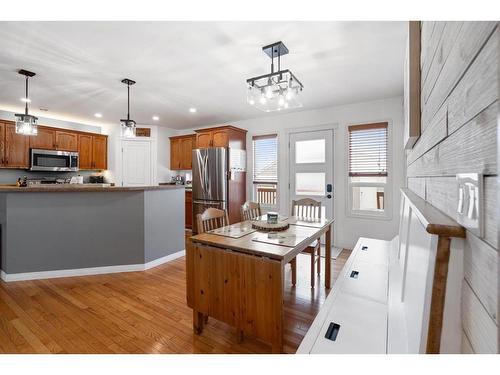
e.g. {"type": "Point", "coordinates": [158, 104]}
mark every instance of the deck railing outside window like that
{"type": "Point", "coordinates": [265, 169]}
{"type": "Point", "coordinates": [266, 193]}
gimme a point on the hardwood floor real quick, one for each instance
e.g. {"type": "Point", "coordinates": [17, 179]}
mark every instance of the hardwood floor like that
{"type": "Point", "coordinates": [137, 312]}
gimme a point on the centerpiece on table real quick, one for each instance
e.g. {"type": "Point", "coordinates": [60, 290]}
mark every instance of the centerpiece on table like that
{"type": "Point", "coordinates": [270, 223]}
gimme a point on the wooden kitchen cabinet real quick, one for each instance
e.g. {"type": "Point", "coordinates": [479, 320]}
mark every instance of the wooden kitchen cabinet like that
{"type": "Point", "coordinates": [181, 148]}
{"type": "Point", "coordinates": [15, 147]}
{"type": "Point", "coordinates": [45, 139]}
{"type": "Point", "coordinates": [99, 152]}
{"type": "Point", "coordinates": [187, 152]}
{"type": "Point", "coordinates": [93, 151]}
{"type": "Point", "coordinates": [204, 140]}
{"type": "Point", "coordinates": [66, 140]}
{"type": "Point", "coordinates": [85, 151]}
{"type": "Point", "coordinates": [218, 137]}
{"type": "Point", "coordinates": [189, 209]}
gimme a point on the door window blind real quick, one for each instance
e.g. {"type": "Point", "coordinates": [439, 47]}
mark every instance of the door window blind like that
{"type": "Point", "coordinates": [368, 150]}
{"type": "Point", "coordinates": [265, 158]}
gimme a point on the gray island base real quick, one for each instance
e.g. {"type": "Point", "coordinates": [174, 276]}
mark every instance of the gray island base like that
{"type": "Point", "coordinates": [54, 233]}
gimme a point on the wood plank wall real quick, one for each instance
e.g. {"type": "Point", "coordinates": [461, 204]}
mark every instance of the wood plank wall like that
{"type": "Point", "coordinates": [459, 99]}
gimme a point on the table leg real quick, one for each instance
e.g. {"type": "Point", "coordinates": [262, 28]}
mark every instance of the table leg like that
{"type": "Point", "coordinates": [328, 257]}
{"type": "Point", "coordinates": [198, 320]}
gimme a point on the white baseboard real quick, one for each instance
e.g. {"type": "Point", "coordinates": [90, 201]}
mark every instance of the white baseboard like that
{"type": "Point", "coordinates": [89, 271]}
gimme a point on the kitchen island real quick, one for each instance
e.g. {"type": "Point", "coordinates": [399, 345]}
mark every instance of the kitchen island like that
{"type": "Point", "coordinates": [80, 230]}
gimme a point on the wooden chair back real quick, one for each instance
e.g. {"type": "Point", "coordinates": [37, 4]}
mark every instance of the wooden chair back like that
{"type": "Point", "coordinates": [250, 211]}
{"type": "Point", "coordinates": [306, 208]}
{"type": "Point", "coordinates": [211, 218]}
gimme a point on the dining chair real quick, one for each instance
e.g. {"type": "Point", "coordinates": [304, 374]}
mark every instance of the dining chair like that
{"type": "Point", "coordinates": [308, 209]}
{"type": "Point", "coordinates": [250, 211]}
{"type": "Point", "coordinates": [211, 218]}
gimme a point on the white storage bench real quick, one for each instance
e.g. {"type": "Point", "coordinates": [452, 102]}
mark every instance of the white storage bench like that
{"type": "Point", "coordinates": [399, 296]}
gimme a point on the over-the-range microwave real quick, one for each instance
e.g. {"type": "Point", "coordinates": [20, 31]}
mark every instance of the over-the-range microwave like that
{"type": "Point", "coordinates": [52, 160]}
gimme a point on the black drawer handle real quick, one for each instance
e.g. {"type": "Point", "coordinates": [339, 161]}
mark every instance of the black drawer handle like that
{"type": "Point", "coordinates": [365, 248]}
{"type": "Point", "coordinates": [333, 331]}
{"type": "Point", "coordinates": [354, 274]}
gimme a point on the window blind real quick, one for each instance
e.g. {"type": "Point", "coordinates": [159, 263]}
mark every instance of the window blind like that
{"type": "Point", "coordinates": [368, 150]}
{"type": "Point", "coordinates": [265, 158]}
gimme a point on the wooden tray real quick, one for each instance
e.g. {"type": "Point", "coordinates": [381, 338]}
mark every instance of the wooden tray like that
{"type": "Point", "coordinates": [264, 226]}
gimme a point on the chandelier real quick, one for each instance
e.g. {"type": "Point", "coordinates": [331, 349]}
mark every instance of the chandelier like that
{"type": "Point", "coordinates": [26, 124]}
{"type": "Point", "coordinates": [128, 125]}
{"type": "Point", "coordinates": [277, 90]}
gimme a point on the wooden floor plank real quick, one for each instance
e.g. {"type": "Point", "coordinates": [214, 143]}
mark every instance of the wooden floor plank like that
{"type": "Point", "coordinates": [138, 312]}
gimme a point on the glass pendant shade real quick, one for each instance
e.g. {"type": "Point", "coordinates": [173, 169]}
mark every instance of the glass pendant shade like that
{"type": "Point", "coordinates": [275, 93]}
{"type": "Point", "coordinates": [26, 124]}
{"type": "Point", "coordinates": [128, 128]}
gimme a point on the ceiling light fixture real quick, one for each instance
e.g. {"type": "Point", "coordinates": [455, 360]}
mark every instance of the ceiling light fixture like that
{"type": "Point", "coordinates": [26, 100]}
{"type": "Point", "coordinates": [277, 90]}
{"type": "Point", "coordinates": [26, 124]}
{"type": "Point", "coordinates": [128, 125]}
{"type": "Point", "coordinates": [155, 118]}
{"type": "Point", "coordinates": [192, 110]}
{"type": "Point", "coordinates": [98, 115]}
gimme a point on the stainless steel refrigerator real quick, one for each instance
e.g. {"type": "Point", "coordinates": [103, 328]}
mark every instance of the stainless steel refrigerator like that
{"type": "Point", "coordinates": [218, 181]}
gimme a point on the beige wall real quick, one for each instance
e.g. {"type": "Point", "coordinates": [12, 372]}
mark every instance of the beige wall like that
{"type": "Point", "coordinates": [459, 98]}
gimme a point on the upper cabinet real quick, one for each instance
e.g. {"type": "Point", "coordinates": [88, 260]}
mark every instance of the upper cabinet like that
{"type": "Point", "coordinates": [93, 151]}
{"type": "Point", "coordinates": [99, 152]}
{"type": "Point", "coordinates": [15, 148]}
{"type": "Point", "coordinates": [181, 148]}
{"type": "Point", "coordinates": [66, 140]}
{"type": "Point", "coordinates": [45, 139]}
{"type": "Point", "coordinates": [85, 151]}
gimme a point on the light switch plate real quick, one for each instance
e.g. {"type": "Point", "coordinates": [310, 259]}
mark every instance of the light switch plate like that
{"type": "Point", "coordinates": [470, 212]}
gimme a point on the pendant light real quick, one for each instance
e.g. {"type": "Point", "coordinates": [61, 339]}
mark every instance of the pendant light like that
{"type": "Point", "coordinates": [128, 125]}
{"type": "Point", "coordinates": [26, 124]}
{"type": "Point", "coordinates": [277, 90]}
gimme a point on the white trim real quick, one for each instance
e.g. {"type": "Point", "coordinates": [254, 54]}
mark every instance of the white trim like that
{"type": "Point", "coordinates": [89, 271]}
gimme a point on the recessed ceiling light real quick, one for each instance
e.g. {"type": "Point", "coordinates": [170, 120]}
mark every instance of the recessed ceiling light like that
{"type": "Point", "coordinates": [26, 100]}
{"type": "Point", "coordinates": [155, 118]}
{"type": "Point", "coordinates": [98, 115]}
{"type": "Point", "coordinates": [192, 110]}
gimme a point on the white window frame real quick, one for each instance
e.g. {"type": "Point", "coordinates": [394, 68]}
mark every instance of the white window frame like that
{"type": "Point", "coordinates": [368, 214]}
{"type": "Point", "coordinates": [266, 207]}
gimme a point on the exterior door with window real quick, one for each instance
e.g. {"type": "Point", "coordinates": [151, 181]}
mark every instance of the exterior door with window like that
{"type": "Point", "coordinates": [368, 188]}
{"type": "Point", "coordinates": [311, 168]}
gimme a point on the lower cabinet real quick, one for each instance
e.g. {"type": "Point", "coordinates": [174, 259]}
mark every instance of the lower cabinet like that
{"type": "Point", "coordinates": [189, 209]}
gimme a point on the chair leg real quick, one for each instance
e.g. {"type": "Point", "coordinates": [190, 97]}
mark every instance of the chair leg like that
{"type": "Point", "coordinates": [319, 259]}
{"type": "Point", "coordinates": [313, 261]}
{"type": "Point", "coordinates": [293, 263]}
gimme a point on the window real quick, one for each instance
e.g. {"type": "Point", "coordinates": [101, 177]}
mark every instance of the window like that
{"type": "Point", "coordinates": [368, 169]}
{"type": "Point", "coordinates": [265, 169]}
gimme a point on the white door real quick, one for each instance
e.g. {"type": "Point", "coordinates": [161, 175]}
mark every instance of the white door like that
{"type": "Point", "coordinates": [311, 168]}
{"type": "Point", "coordinates": [136, 163]}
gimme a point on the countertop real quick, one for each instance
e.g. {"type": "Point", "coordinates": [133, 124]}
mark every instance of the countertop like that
{"type": "Point", "coordinates": [78, 188]}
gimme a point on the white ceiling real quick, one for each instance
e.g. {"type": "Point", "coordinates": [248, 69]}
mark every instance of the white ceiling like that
{"type": "Point", "coordinates": [178, 65]}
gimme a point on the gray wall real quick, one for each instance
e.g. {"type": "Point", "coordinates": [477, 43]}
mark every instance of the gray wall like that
{"type": "Point", "coordinates": [56, 231]}
{"type": "Point", "coordinates": [459, 99]}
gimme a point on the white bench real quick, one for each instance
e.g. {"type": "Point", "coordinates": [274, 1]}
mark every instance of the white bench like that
{"type": "Point", "coordinates": [399, 296]}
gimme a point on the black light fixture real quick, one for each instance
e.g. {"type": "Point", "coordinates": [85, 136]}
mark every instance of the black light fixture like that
{"type": "Point", "coordinates": [128, 125]}
{"type": "Point", "coordinates": [26, 124]}
{"type": "Point", "coordinates": [277, 90]}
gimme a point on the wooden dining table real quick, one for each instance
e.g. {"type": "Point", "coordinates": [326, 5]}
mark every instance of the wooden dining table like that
{"type": "Point", "coordinates": [235, 274]}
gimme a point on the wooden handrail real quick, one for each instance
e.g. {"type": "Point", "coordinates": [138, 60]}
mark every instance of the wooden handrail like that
{"type": "Point", "coordinates": [434, 221]}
